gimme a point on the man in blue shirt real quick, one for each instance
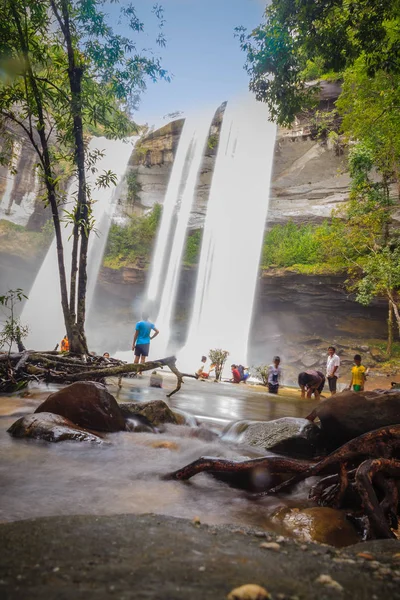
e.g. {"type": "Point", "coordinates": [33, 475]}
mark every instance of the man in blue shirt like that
{"type": "Point", "coordinates": [141, 340]}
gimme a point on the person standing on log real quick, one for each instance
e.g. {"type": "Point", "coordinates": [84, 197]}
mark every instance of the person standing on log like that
{"type": "Point", "coordinates": [332, 369]}
{"type": "Point", "coordinates": [141, 339]}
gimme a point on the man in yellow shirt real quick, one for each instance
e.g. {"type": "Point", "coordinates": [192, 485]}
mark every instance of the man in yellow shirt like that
{"type": "Point", "coordinates": [358, 375]}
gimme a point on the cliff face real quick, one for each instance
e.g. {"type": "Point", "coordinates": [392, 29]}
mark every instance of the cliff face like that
{"type": "Point", "coordinates": [309, 176]}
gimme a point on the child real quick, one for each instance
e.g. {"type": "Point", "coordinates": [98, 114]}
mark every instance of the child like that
{"type": "Point", "coordinates": [274, 376]}
{"type": "Point", "coordinates": [358, 375]}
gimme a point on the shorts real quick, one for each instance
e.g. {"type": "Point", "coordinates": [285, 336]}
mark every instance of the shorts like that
{"type": "Point", "coordinates": [273, 388]}
{"type": "Point", "coordinates": [357, 387]}
{"type": "Point", "coordinates": [332, 383]}
{"type": "Point", "coordinates": [142, 349]}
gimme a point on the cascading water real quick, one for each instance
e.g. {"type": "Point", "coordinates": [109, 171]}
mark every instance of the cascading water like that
{"type": "Point", "coordinates": [42, 312]}
{"type": "Point", "coordinates": [200, 129]}
{"type": "Point", "coordinates": [233, 234]}
{"type": "Point", "coordinates": [169, 205]}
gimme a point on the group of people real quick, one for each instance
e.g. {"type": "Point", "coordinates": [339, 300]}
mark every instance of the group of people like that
{"type": "Point", "coordinates": [239, 373]}
{"type": "Point", "coordinates": [313, 382]}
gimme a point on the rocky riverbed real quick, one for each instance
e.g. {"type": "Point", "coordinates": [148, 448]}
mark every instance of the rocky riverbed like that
{"type": "Point", "coordinates": [151, 556]}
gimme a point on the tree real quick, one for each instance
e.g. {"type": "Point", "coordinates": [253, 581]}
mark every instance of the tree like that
{"type": "Point", "coordinates": [13, 331]}
{"type": "Point", "coordinates": [218, 358]}
{"type": "Point", "coordinates": [302, 40]}
{"type": "Point", "coordinates": [362, 238]}
{"type": "Point", "coordinates": [67, 71]}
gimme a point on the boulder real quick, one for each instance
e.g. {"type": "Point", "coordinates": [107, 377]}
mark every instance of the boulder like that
{"type": "Point", "coordinates": [156, 411]}
{"type": "Point", "coordinates": [318, 524]}
{"type": "Point", "coordinates": [51, 428]}
{"type": "Point", "coordinates": [349, 414]}
{"type": "Point", "coordinates": [86, 404]}
{"type": "Point", "coordinates": [289, 436]}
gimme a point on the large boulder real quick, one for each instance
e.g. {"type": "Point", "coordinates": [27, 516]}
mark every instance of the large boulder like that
{"type": "Point", "coordinates": [318, 524]}
{"type": "Point", "coordinates": [156, 411]}
{"type": "Point", "coordinates": [51, 428]}
{"type": "Point", "coordinates": [349, 414]}
{"type": "Point", "coordinates": [86, 404]}
{"type": "Point", "coordinates": [289, 436]}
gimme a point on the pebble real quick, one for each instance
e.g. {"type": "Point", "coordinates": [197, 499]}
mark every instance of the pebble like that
{"type": "Point", "coordinates": [250, 591]}
{"type": "Point", "coordinates": [348, 561]}
{"type": "Point", "coordinates": [366, 555]}
{"type": "Point", "coordinates": [304, 547]}
{"type": "Point", "coordinates": [374, 565]}
{"type": "Point", "coordinates": [196, 521]}
{"type": "Point", "coordinates": [260, 534]}
{"type": "Point", "coordinates": [329, 582]}
{"type": "Point", "coordinates": [202, 569]}
{"type": "Point", "coordinates": [270, 546]}
{"type": "Point", "coordinates": [56, 569]}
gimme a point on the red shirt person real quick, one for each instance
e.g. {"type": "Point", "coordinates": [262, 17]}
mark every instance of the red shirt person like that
{"type": "Point", "coordinates": [236, 377]}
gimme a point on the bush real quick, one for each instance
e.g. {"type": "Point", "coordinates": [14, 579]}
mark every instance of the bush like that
{"type": "Point", "coordinates": [292, 244]}
{"type": "Point", "coordinates": [135, 240]}
{"type": "Point", "coordinates": [193, 245]}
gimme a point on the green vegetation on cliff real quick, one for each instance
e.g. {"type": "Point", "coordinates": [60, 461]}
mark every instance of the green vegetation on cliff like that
{"type": "Point", "coordinates": [18, 241]}
{"type": "Point", "coordinates": [133, 241]}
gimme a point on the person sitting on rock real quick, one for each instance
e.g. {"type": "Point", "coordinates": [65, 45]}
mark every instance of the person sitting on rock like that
{"type": "Point", "coordinates": [64, 344]}
{"type": "Point", "coordinates": [311, 382]}
{"type": "Point", "coordinates": [274, 375]}
{"type": "Point", "coordinates": [236, 378]}
{"type": "Point", "coordinates": [358, 375]}
{"type": "Point", "coordinates": [201, 373]}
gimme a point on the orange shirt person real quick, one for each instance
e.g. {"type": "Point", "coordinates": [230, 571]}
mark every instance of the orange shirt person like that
{"type": "Point", "coordinates": [65, 344]}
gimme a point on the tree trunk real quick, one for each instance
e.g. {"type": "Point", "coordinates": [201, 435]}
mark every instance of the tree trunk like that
{"type": "Point", "coordinates": [47, 169]}
{"type": "Point", "coordinates": [78, 342]}
{"type": "Point", "coordinates": [390, 330]}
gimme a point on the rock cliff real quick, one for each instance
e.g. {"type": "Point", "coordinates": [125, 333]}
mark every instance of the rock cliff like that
{"type": "Point", "coordinates": [309, 175]}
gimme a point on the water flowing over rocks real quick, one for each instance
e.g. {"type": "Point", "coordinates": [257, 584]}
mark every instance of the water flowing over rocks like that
{"type": "Point", "coordinates": [51, 428]}
{"type": "Point", "coordinates": [157, 412]}
{"type": "Point", "coordinates": [290, 436]}
{"type": "Point", "coordinates": [88, 405]}
{"type": "Point", "coordinates": [348, 414]}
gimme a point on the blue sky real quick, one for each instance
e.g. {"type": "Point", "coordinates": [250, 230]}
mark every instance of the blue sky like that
{"type": "Point", "coordinates": [201, 54]}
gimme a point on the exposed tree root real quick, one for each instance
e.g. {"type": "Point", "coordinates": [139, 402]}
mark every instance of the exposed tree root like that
{"type": "Point", "coordinates": [362, 470]}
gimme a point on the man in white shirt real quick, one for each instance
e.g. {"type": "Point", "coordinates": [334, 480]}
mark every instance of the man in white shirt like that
{"type": "Point", "coordinates": [332, 369]}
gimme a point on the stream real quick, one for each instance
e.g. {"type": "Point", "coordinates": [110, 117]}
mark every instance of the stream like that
{"type": "Point", "coordinates": [123, 475]}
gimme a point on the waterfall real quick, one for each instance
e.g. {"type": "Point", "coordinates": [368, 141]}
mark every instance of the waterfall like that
{"type": "Point", "coordinates": [169, 205]}
{"type": "Point", "coordinates": [233, 235]}
{"type": "Point", "coordinates": [199, 130]}
{"type": "Point", "coordinates": [42, 312]}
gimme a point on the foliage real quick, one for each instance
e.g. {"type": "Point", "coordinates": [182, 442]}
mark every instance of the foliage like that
{"type": "Point", "coordinates": [292, 244]}
{"type": "Point", "coordinates": [218, 358]}
{"type": "Point", "coordinates": [213, 140]}
{"type": "Point", "coordinates": [300, 41]}
{"type": "Point", "coordinates": [134, 187]}
{"type": "Point", "coordinates": [64, 72]}
{"type": "Point", "coordinates": [13, 331]}
{"type": "Point", "coordinates": [132, 241]}
{"type": "Point", "coordinates": [193, 246]}
{"type": "Point", "coordinates": [261, 372]}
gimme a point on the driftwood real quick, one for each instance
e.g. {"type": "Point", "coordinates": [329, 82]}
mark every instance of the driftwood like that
{"type": "Point", "coordinates": [17, 369]}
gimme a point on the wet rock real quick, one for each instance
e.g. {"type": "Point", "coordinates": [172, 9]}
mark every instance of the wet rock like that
{"type": "Point", "coordinates": [289, 436]}
{"type": "Point", "coordinates": [139, 424]}
{"type": "Point", "coordinates": [184, 418]}
{"type": "Point", "coordinates": [310, 359]}
{"type": "Point", "coordinates": [250, 591]}
{"type": "Point", "coordinates": [348, 414]}
{"type": "Point", "coordinates": [202, 433]}
{"type": "Point", "coordinates": [86, 404]}
{"type": "Point", "coordinates": [319, 524]}
{"type": "Point", "coordinates": [50, 428]}
{"type": "Point", "coordinates": [156, 412]}
{"type": "Point", "coordinates": [156, 380]}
